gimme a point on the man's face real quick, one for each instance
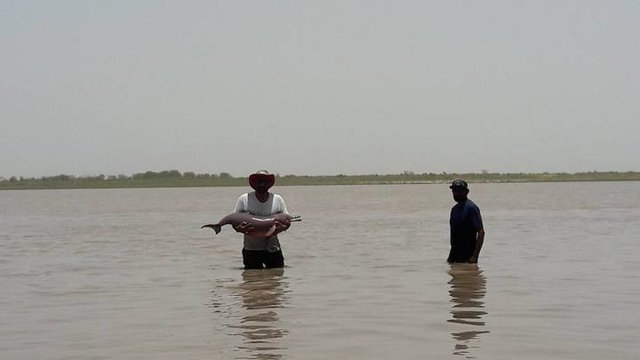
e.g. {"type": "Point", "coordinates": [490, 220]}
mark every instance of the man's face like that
{"type": "Point", "coordinates": [459, 194]}
{"type": "Point", "coordinates": [262, 185]}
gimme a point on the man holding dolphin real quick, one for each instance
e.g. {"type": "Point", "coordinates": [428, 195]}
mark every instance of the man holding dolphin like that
{"type": "Point", "coordinates": [259, 253]}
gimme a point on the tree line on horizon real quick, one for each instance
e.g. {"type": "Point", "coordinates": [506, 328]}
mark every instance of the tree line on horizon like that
{"type": "Point", "coordinates": [166, 174]}
{"type": "Point", "coordinates": [175, 178]}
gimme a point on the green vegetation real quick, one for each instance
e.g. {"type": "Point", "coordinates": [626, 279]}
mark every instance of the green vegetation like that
{"type": "Point", "coordinates": [174, 178]}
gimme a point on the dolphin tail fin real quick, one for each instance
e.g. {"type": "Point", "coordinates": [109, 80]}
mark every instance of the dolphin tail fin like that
{"type": "Point", "coordinates": [215, 227]}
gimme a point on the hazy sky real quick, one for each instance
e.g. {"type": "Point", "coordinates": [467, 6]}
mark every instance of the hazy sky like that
{"type": "Point", "coordinates": [318, 87]}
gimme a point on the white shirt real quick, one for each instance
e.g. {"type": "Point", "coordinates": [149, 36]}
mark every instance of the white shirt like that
{"type": "Point", "coordinates": [249, 203]}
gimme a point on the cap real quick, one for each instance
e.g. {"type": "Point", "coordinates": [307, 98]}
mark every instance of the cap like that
{"type": "Point", "coordinates": [262, 175]}
{"type": "Point", "coordinates": [459, 184]}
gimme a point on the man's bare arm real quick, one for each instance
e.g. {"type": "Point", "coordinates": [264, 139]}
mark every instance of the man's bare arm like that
{"type": "Point", "coordinates": [479, 242]}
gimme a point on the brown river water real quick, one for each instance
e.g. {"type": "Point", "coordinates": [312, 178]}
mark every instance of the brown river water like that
{"type": "Point", "coordinates": [129, 274]}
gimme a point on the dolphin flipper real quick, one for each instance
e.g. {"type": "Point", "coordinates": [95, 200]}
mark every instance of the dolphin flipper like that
{"type": "Point", "coordinates": [271, 231]}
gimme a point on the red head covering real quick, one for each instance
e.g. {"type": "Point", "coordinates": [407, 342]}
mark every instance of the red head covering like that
{"type": "Point", "coordinates": [263, 175]}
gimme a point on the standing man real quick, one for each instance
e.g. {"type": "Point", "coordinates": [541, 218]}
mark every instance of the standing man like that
{"type": "Point", "coordinates": [259, 253]}
{"type": "Point", "coordinates": [467, 231]}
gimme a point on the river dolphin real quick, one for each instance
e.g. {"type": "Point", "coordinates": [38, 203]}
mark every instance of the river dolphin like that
{"type": "Point", "coordinates": [257, 226]}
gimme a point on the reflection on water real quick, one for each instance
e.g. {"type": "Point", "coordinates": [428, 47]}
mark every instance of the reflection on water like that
{"type": "Point", "coordinates": [262, 294]}
{"type": "Point", "coordinates": [467, 289]}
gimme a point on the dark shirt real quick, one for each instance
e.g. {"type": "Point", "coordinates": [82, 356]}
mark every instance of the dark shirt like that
{"type": "Point", "coordinates": [465, 222]}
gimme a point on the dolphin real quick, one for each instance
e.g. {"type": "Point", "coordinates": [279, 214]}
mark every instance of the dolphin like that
{"type": "Point", "coordinates": [256, 226]}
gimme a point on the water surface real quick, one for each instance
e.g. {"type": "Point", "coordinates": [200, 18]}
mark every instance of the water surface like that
{"type": "Point", "coordinates": [128, 274]}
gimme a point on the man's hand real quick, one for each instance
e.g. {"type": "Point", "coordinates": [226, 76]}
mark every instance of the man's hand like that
{"type": "Point", "coordinates": [243, 227]}
{"type": "Point", "coordinates": [280, 227]}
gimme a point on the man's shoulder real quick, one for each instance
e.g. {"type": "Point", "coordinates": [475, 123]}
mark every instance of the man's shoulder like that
{"type": "Point", "coordinates": [242, 203]}
{"type": "Point", "coordinates": [470, 203]}
{"type": "Point", "coordinates": [277, 199]}
{"type": "Point", "coordinates": [472, 208]}
{"type": "Point", "coordinates": [465, 206]}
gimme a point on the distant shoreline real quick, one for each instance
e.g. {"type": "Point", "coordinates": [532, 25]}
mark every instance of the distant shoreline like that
{"type": "Point", "coordinates": [174, 178]}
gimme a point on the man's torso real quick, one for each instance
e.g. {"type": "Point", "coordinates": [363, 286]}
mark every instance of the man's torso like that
{"type": "Point", "coordinates": [249, 203]}
{"type": "Point", "coordinates": [465, 221]}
